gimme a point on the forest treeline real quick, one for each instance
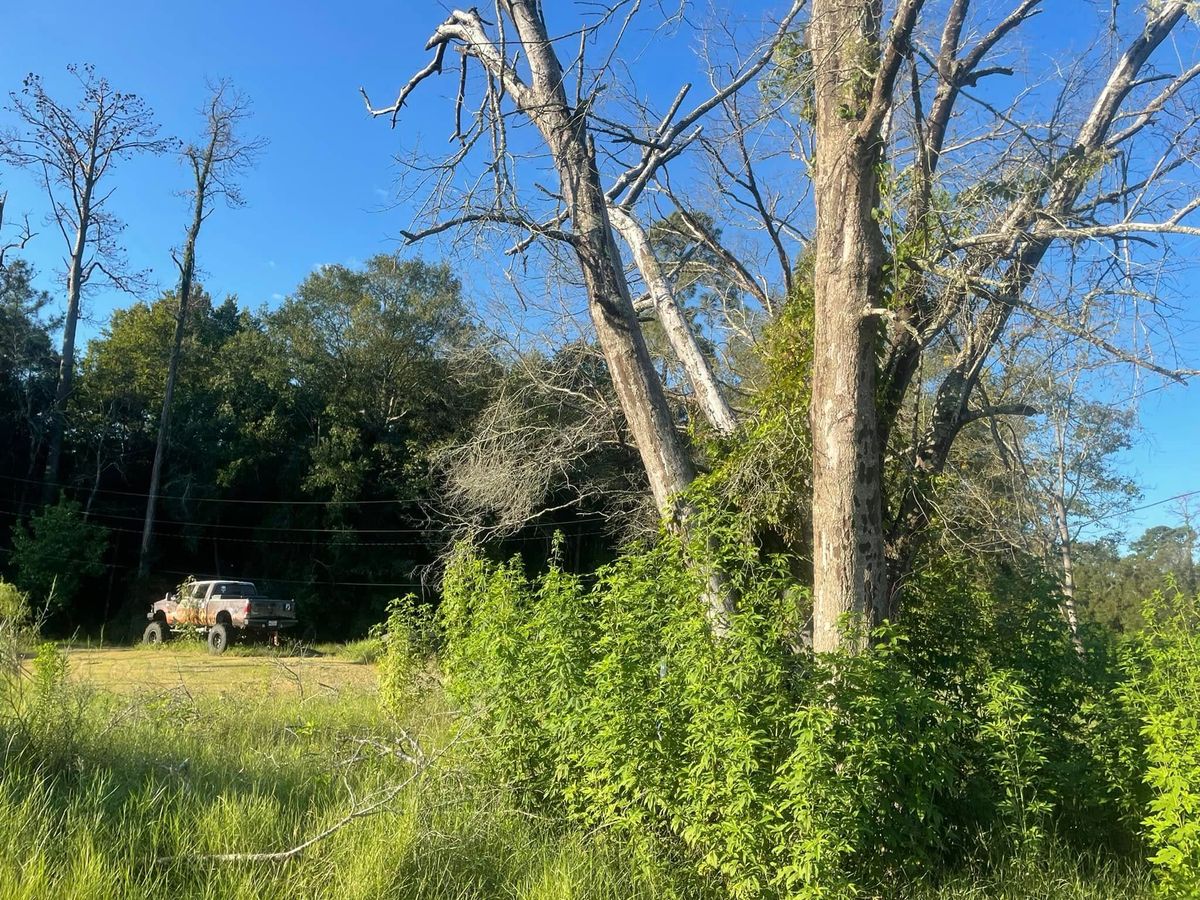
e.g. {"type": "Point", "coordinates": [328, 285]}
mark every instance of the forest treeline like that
{"type": "Point", "coordinates": [304, 449]}
{"type": "Point", "coordinates": [309, 452]}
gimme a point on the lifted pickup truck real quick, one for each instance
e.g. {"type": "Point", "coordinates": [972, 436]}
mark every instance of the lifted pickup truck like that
{"type": "Point", "coordinates": [226, 610]}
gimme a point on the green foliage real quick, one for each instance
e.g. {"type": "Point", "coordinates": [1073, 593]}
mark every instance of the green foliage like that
{"type": "Point", "coordinates": [1164, 689]}
{"type": "Point", "coordinates": [14, 606]}
{"type": "Point", "coordinates": [28, 366]}
{"type": "Point", "coordinates": [1113, 585]}
{"type": "Point", "coordinates": [56, 553]}
{"type": "Point", "coordinates": [16, 625]}
{"type": "Point", "coordinates": [763, 471]}
{"type": "Point", "coordinates": [406, 642]}
{"type": "Point", "coordinates": [335, 396]}
{"type": "Point", "coordinates": [772, 772]}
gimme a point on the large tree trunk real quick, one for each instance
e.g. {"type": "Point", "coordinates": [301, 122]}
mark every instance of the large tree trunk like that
{"type": "Point", "coordinates": [849, 570]}
{"type": "Point", "coordinates": [668, 468]}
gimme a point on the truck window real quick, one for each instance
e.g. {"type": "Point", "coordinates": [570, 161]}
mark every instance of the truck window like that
{"type": "Point", "coordinates": [198, 591]}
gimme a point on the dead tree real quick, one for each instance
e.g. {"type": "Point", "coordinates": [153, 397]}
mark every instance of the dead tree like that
{"type": "Point", "coordinates": [976, 286]}
{"type": "Point", "coordinates": [71, 149]}
{"type": "Point", "coordinates": [214, 163]}
{"type": "Point", "coordinates": [522, 67]}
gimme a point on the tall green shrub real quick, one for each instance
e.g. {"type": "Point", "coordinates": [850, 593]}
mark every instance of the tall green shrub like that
{"type": "Point", "coordinates": [1164, 689]}
{"type": "Point", "coordinates": [770, 771]}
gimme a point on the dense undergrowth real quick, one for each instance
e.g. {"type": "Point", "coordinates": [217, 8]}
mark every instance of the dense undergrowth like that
{"type": "Point", "coordinates": [971, 745]}
{"type": "Point", "coordinates": [595, 742]}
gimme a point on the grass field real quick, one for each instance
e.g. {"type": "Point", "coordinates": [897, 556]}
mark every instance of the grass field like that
{"type": "Point", "coordinates": [168, 773]}
{"type": "Point", "coordinates": [128, 778]}
{"type": "Point", "coordinates": [189, 667]}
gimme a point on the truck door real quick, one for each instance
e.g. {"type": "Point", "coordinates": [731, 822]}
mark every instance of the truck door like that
{"type": "Point", "coordinates": [191, 607]}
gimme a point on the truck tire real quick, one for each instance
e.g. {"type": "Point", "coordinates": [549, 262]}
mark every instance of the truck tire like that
{"type": "Point", "coordinates": [155, 633]}
{"type": "Point", "coordinates": [218, 638]}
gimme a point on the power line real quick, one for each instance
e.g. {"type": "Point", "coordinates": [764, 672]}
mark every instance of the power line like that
{"type": "Point", "coordinates": [241, 577]}
{"type": "Point", "coordinates": [432, 541]}
{"type": "Point", "coordinates": [190, 499]}
{"type": "Point", "coordinates": [1125, 512]}
{"type": "Point", "coordinates": [183, 522]}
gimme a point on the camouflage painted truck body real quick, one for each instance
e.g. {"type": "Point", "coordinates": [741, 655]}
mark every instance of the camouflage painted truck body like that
{"type": "Point", "coordinates": [224, 609]}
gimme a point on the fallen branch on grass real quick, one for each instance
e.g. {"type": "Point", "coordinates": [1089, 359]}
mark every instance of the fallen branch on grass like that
{"type": "Point", "coordinates": [371, 806]}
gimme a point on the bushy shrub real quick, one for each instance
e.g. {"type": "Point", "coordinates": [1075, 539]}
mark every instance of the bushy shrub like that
{"type": "Point", "coordinates": [16, 627]}
{"type": "Point", "coordinates": [54, 554]}
{"type": "Point", "coordinates": [974, 731]}
{"type": "Point", "coordinates": [406, 641]}
{"type": "Point", "coordinates": [1164, 690]}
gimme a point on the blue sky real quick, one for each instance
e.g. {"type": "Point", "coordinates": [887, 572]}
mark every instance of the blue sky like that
{"type": "Point", "coordinates": [321, 192]}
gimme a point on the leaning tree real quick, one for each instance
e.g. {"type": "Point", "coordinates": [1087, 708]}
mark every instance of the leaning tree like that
{"type": "Point", "coordinates": [523, 69]}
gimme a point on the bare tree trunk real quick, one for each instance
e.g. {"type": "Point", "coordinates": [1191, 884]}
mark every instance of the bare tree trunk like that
{"type": "Point", "coordinates": [1068, 572]}
{"type": "Point", "coordinates": [638, 387]}
{"type": "Point", "coordinates": [187, 270]}
{"type": "Point", "coordinates": [679, 332]}
{"type": "Point", "coordinates": [1064, 538]}
{"type": "Point", "coordinates": [66, 365]}
{"type": "Point", "coordinates": [99, 471]}
{"type": "Point", "coordinates": [219, 156]}
{"type": "Point", "coordinates": [164, 422]}
{"type": "Point", "coordinates": [849, 570]}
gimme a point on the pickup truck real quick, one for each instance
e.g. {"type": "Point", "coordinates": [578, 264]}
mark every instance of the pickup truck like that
{"type": "Point", "coordinates": [225, 610]}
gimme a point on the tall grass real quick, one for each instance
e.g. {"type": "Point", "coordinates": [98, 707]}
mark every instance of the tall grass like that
{"type": "Point", "coordinates": [96, 791]}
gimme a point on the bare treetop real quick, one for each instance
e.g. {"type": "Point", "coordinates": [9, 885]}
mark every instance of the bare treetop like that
{"type": "Point", "coordinates": [221, 154]}
{"type": "Point", "coordinates": [70, 148]}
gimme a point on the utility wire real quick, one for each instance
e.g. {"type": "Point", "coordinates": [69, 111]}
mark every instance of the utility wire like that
{"type": "Point", "coordinates": [1133, 509]}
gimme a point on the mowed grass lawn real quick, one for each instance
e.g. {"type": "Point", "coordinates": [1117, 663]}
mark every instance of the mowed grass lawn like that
{"type": "Point", "coordinates": [170, 773]}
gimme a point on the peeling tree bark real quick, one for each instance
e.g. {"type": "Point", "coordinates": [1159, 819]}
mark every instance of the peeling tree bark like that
{"type": "Point", "coordinates": [849, 571]}
{"type": "Point", "coordinates": [668, 468]}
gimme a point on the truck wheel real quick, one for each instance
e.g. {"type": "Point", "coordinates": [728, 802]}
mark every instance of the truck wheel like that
{"type": "Point", "coordinates": [155, 633]}
{"type": "Point", "coordinates": [218, 638]}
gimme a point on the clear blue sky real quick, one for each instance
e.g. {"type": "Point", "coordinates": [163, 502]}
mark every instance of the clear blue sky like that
{"type": "Point", "coordinates": [321, 192]}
